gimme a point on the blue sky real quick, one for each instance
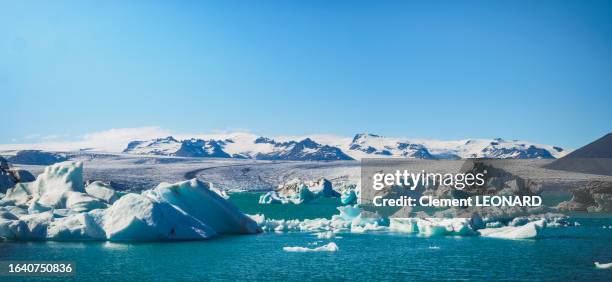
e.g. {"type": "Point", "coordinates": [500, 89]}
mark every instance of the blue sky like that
{"type": "Point", "coordinates": [529, 70]}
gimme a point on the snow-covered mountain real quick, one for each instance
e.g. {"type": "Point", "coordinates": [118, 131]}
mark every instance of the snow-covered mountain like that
{"type": "Point", "coordinates": [370, 145]}
{"type": "Point", "coordinates": [317, 148]}
{"type": "Point", "coordinates": [159, 146]}
{"type": "Point", "coordinates": [304, 150]}
{"type": "Point", "coordinates": [203, 148]}
{"type": "Point", "coordinates": [261, 148]}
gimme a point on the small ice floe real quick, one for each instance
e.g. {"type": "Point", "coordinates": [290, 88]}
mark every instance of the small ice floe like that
{"type": "Point", "coordinates": [434, 247]}
{"type": "Point", "coordinates": [325, 235]}
{"type": "Point", "coordinates": [331, 247]}
{"type": "Point", "coordinates": [603, 265]}
{"type": "Point", "coordinates": [529, 230]}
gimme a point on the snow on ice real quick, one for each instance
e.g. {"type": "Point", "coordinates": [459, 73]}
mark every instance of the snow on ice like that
{"type": "Point", "coordinates": [57, 206]}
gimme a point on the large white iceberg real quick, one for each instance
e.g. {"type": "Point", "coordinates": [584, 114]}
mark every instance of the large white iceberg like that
{"type": "Point", "coordinates": [57, 206]}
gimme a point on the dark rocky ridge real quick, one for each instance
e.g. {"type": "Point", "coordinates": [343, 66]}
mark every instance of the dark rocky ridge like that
{"type": "Point", "coordinates": [594, 158]}
{"type": "Point", "coordinates": [36, 157]}
{"type": "Point", "coordinates": [595, 196]}
{"type": "Point", "coordinates": [10, 176]}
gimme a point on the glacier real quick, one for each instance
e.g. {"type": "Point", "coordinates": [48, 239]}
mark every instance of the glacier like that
{"type": "Point", "coordinates": [58, 206]}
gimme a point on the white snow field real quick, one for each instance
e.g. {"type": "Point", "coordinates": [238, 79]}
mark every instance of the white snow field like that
{"type": "Point", "coordinates": [57, 206]}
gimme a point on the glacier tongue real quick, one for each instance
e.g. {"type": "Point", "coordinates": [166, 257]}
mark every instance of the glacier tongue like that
{"type": "Point", "coordinates": [58, 207]}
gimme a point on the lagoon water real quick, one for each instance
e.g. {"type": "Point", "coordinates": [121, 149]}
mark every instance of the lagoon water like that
{"type": "Point", "coordinates": [561, 254]}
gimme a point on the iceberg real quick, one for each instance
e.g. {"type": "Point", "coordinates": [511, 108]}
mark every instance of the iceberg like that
{"type": "Point", "coordinates": [352, 219]}
{"type": "Point", "coordinates": [428, 227]}
{"type": "Point", "coordinates": [198, 200]}
{"type": "Point", "coordinates": [298, 192]}
{"type": "Point", "coordinates": [348, 197]}
{"type": "Point", "coordinates": [135, 217]}
{"type": "Point", "coordinates": [273, 197]}
{"type": "Point", "coordinates": [527, 231]}
{"type": "Point", "coordinates": [325, 235]}
{"type": "Point", "coordinates": [57, 206]}
{"type": "Point", "coordinates": [603, 265]}
{"type": "Point", "coordinates": [331, 247]}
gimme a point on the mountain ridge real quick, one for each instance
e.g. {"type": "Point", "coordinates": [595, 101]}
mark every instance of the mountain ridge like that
{"type": "Point", "coordinates": [362, 145]}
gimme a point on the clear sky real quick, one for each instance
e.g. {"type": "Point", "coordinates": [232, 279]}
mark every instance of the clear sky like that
{"type": "Point", "coordinates": [530, 70]}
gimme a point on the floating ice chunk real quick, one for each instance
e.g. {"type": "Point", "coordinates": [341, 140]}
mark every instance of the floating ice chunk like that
{"type": "Point", "coordinates": [59, 186]}
{"type": "Point", "coordinates": [403, 225]}
{"type": "Point", "coordinates": [297, 192]}
{"type": "Point", "coordinates": [349, 212]}
{"type": "Point", "coordinates": [348, 197]}
{"type": "Point", "coordinates": [56, 207]}
{"type": "Point", "coordinates": [136, 217]}
{"type": "Point", "coordinates": [195, 198]}
{"type": "Point", "coordinates": [529, 230]}
{"type": "Point", "coordinates": [102, 191]}
{"type": "Point", "coordinates": [434, 248]}
{"type": "Point", "coordinates": [603, 265]}
{"type": "Point", "coordinates": [272, 197]}
{"type": "Point", "coordinates": [331, 247]}
{"type": "Point", "coordinates": [432, 226]}
{"type": "Point", "coordinates": [361, 228]}
{"type": "Point", "coordinates": [325, 235]}
{"type": "Point", "coordinates": [184, 210]}
{"type": "Point", "coordinates": [427, 229]}
{"type": "Point", "coordinates": [323, 188]}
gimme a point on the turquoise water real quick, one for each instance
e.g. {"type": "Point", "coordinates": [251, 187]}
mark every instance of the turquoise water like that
{"type": "Point", "coordinates": [562, 254]}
